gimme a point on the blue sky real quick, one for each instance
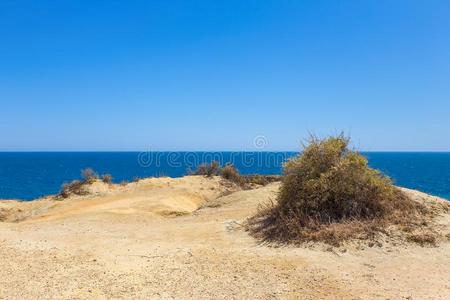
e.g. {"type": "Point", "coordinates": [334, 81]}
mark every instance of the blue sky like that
{"type": "Point", "coordinates": [213, 75]}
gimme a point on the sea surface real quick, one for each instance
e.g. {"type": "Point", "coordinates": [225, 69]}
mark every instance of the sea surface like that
{"type": "Point", "coordinates": [30, 175]}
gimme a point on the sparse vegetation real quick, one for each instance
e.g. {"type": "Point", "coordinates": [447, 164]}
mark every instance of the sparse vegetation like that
{"type": "Point", "coordinates": [77, 187]}
{"type": "Point", "coordinates": [231, 174]}
{"type": "Point", "coordinates": [423, 239]}
{"type": "Point", "coordinates": [208, 170]}
{"type": "Point", "coordinates": [107, 178]}
{"type": "Point", "coordinates": [330, 194]}
{"type": "Point", "coordinates": [258, 179]}
{"type": "Point", "coordinates": [89, 175]}
{"type": "Point", "coordinates": [74, 187]}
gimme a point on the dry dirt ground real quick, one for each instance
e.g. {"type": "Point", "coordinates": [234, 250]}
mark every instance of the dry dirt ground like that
{"type": "Point", "coordinates": [182, 238]}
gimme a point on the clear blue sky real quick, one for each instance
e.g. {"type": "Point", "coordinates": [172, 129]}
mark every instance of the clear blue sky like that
{"type": "Point", "coordinates": [212, 75]}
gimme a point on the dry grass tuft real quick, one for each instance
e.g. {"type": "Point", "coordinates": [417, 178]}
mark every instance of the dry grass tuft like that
{"type": "Point", "coordinates": [263, 180]}
{"type": "Point", "coordinates": [330, 194]}
{"type": "Point", "coordinates": [423, 239]}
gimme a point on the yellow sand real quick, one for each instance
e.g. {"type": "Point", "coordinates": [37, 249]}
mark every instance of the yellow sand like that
{"type": "Point", "coordinates": [181, 238]}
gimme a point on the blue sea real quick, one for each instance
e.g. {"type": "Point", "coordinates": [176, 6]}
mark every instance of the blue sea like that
{"type": "Point", "coordinates": [30, 175]}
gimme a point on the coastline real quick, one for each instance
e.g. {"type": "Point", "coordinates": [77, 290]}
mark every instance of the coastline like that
{"type": "Point", "coordinates": [41, 174]}
{"type": "Point", "coordinates": [183, 238]}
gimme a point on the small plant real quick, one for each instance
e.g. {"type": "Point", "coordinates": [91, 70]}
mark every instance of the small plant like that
{"type": "Point", "coordinates": [230, 173]}
{"type": "Point", "coordinates": [89, 175]}
{"type": "Point", "coordinates": [208, 170]}
{"type": "Point", "coordinates": [74, 187]}
{"type": "Point", "coordinates": [107, 178]}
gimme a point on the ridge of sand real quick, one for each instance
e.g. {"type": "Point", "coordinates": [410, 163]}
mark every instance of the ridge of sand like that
{"type": "Point", "coordinates": [182, 238]}
{"type": "Point", "coordinates": [153, 196]}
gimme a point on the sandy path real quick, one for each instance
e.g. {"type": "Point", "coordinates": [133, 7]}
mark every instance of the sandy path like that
{"type": "Point", "coordinates": [110, 249]}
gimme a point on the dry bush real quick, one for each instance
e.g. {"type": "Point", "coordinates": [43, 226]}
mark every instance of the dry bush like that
{"type": "Point", "coordinates": [89, 175]}
{"type": "Point", "coordinates": [230, 173]}
{"type": "Point", "coordinates": [107, 178]}
{"type": "Point", "coordinates": [208, 170]}
{"type": "Point", "coordinates": [74, 187]}
{"type": "Point", "coordinates": [330, 194]}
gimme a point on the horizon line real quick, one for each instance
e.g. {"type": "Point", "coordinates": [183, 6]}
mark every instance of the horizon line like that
{"type": "Point", "coordinates": [202, 151]}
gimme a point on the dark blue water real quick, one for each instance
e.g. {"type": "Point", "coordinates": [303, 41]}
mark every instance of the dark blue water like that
{"type": "Point", "coordinates": [32, 175]}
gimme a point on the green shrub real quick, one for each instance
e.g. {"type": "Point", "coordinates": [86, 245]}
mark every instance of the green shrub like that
{"type": "Point", "coordinates": [329, 193]}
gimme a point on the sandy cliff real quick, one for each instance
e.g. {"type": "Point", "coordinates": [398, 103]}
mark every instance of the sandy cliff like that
{"type": "Point", "coordinates": [182, 238]}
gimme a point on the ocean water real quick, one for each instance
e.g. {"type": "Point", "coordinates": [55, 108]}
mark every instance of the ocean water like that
{"type": "Point", "coordinates": [30, 175]}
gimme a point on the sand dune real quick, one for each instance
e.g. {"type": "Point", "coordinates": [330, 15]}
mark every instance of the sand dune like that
{"type": "Point", "coordinates": [182, 238]}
